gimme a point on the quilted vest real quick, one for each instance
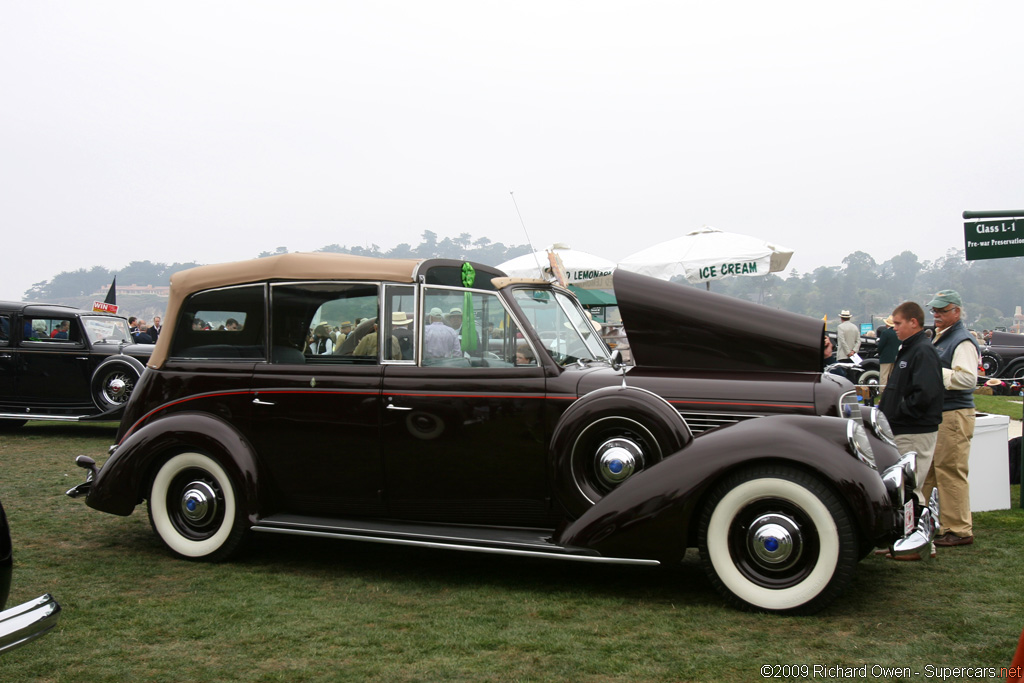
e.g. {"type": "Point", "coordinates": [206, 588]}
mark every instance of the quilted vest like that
{"type": "Point", "coordinates": [954, 399]}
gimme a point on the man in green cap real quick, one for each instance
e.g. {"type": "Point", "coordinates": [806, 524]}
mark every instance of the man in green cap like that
{"type": "Point", "coordinates": [958, 354]}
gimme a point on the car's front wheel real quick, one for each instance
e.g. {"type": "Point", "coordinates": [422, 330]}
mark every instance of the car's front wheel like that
{"type": "Point", "coordinates": [113, 382]}
{"type": "Point", "coordinates": [194, 509]}
{"type": "Point", "coordinates": [777, 539]}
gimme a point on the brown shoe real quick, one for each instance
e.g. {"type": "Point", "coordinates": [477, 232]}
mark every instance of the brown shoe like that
{"type": "Point", "coordinates": [950, 540]}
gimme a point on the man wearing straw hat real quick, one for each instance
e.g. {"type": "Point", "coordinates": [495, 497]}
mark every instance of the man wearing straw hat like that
{"type": "Point", "coordinates": [847, 337]}
{"type": "Point", "coordinates": [887, 344]}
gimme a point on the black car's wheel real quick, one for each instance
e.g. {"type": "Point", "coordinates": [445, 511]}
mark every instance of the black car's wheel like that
{"type": "Point", "coordinates": [1014, 371]}
{"type": "Point", "coordinates": [11, 425]}
{"type": "Point", "coordinates": [869, 378]}
{"type": "Point", "coordinates": [777, 539]}
{"type": "Point", "coordinates": [113, 383]}
{"type": "Point", "coordinates": [991, 362]}
{"type": "Point", "coordinates": [194, 509]}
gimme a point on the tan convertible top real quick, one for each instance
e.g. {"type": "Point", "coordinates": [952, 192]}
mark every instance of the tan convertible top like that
{"type": "Point", "coordinates": [311, 266]}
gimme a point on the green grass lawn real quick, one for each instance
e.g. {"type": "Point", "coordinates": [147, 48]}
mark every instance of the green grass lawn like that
{"type": "Point", "coordinates": [294, 609]}
{"type": "Point", "coordinates": [1012, 406]}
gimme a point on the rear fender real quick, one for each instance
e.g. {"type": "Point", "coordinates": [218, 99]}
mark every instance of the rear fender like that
{"type": "Point", "coordinates": [123, 480]}
{"type": "Point", "coordinates": [654, 513]}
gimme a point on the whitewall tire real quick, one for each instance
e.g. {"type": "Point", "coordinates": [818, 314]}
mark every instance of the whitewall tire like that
{"type": "Point", "coordinates": [777, 539]}
{"type": "Point", "coordinates": [194, 509]}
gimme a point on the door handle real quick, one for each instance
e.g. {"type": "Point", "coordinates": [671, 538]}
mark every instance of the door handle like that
{"type": "Point", "coordinates": [257, 401]}
{"type": "Point", "coordinates": [394, 407]}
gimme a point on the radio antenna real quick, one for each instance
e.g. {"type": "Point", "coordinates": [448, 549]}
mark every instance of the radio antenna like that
{"type": "Point", "coordinates": [528, 240]}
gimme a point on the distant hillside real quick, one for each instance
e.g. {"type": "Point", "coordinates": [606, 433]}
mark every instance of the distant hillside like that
{"type": "Point", "coordinates": [141, 284]}
{"type": "Point", "coordinates": [992, 290]}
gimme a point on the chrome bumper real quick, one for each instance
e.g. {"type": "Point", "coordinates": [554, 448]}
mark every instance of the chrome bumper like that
{"type": "Point", "coordinates": [900, 481]}
{"type": "Point", "coordinates": [83, 489]}
{"type": "Point", "coordinates": [27, 621]}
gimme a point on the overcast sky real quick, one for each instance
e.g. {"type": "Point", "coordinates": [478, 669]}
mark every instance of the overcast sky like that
{"type": "Point", "coordinates": [211, 131]}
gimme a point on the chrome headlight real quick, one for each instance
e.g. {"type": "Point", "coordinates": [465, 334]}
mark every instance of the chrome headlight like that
{"type": "Point", "coordinates": [860, 444]}
{"type": "Point", "coordinates": [876, 420]}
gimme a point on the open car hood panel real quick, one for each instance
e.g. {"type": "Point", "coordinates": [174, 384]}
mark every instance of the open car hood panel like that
{"type": "Point", "coordinates": [672, 325]}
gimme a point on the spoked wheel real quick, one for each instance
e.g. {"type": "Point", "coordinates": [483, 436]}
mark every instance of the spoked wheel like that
{"type": "Point", "coordinates": [113, 384]}
{"type": "Point", "coordinates": [777, 539]}
{"type": "Point", "coordinates": [194, 509]}
{"type": "Point", "coordinates": [991, 363]}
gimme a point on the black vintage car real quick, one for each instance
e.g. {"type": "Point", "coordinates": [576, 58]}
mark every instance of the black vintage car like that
{"type": "Point", "coordinates": [29, 620]}
{"type": "Point", "coordinates": [62, 363]}
{"type": "Point", "coordinates": [476, 412]}
{"type": "Point", "coordinates": [1003, 356]}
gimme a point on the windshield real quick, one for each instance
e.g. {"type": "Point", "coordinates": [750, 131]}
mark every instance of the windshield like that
{"type": "Point", "coordinates": [106, 329]}
{"type": "Point", "coordinates": [564, 329]}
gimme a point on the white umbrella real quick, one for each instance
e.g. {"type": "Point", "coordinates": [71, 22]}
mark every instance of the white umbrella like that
{"type": "Point", "coordinates": [579, 265]}
{"type": "Point", "coordinates": [709, 254]}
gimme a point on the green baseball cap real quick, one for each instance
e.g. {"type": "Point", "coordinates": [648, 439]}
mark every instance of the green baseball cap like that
{"type": "Point", "coordinates": [945, 298]}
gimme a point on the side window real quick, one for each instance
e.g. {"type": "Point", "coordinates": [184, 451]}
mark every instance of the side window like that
{"type": "Point", "coordinates": [221, 323]}
{"type": "Point", "coordinates": [468, 328]}
{"type": "Point", "coordinates": [400, 306]}
{"type": "Point", "coordinates": [324, 322]}
{"type": "Point", "coordinates": [51, 330]}
{"type": "Point", "coordinates": [5, 330]}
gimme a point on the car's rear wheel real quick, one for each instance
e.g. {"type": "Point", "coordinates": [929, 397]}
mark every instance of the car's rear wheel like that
{"type": "Point", "coordinates": [113, 383]}
{"type": "Point", "coordinates": [194, 509]}
{"type": "Point", "coordinates": [777, 539]}
{"type": "Point", "coordinates": [991, 362]}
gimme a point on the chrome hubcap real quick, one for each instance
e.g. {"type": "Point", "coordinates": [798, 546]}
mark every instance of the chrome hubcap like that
{"type": "Point", "coordinates": [775, 541]}
{"type": "Point", "coordinates": [198, 502]}
{"type": "Point", "coordinates": [617, 459]}
{"type": "Point", "coordinates": [116, 388]}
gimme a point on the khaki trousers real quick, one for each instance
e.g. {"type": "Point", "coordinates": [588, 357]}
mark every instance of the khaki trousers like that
{"type": "Point", "coordinates": [884, 370]}
{"type": "Point", "coordinates": [949, 472]}
{"type": "Point", "coordinates": [924, 446]}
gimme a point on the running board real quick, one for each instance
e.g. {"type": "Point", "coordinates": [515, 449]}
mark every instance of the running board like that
{"type": "Point", "coordinates": [42, 416]}
{"type": "Point", "coordinates": [494, 540]}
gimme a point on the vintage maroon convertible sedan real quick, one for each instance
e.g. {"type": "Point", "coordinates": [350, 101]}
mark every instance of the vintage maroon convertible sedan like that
{"type": "Point", "coordinates": [471, 411]}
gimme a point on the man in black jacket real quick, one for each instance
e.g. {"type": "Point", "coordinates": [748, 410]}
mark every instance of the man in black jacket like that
{"type": "Point", "coordinates": [912, 400]}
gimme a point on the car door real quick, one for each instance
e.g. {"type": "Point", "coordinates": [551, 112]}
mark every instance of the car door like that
{"type": "Point", "coordinates": [464, 437]}
{"type": "Point", "coordinates": [53, 367]}
{"type": "Point", "coordinates": [7, 363]}
{"type": "Point", "coordinates": [316, 415]}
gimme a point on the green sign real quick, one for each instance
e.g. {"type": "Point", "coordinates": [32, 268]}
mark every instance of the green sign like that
{"type": "Point", "coordinates": [994, 239]}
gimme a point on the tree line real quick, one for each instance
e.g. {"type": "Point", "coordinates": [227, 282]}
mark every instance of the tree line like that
{"type": "Point", "coordinates": [992, 290]}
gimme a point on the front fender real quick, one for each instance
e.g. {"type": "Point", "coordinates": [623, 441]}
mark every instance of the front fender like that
{"type": "Point", "coordinates": [654, 513]}
{"type": "Point", "coordinates": [123, 480]}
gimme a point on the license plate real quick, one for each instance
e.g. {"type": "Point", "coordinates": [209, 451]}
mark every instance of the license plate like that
{"type": "Point", "coordinates": [908, 517]}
